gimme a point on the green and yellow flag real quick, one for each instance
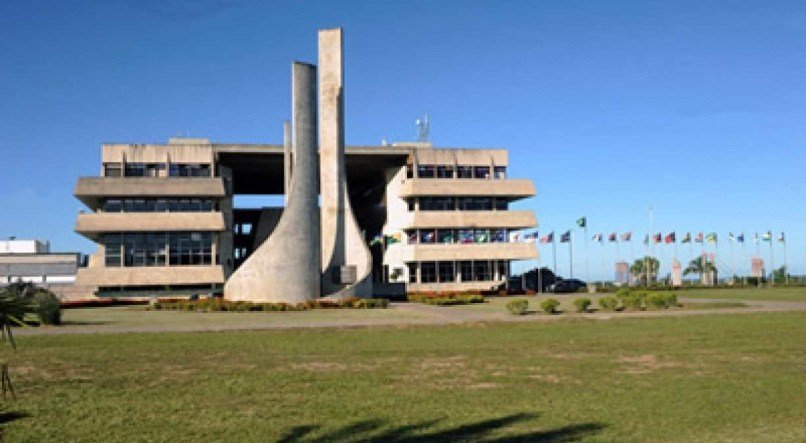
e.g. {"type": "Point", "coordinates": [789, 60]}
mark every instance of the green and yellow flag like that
{"type": "Point", "coordinates": [711, 238]}
{"type": "Point", "coordinates": [582, 222]}
{"type": "Point", "coordinates": [686, 238]}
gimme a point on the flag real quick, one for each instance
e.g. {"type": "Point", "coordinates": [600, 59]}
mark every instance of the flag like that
{"type": "Point", "coordinates": [612, 237]}
{"type": "Point", "coordinates": [731, 238]}
{"type": "Point", "coordinates": [646, 239]}
{"type": "Point", "coordinates": [392, 239]}
{"type": "Point", "coordinates": [582, 222]}
{"type": "Point", "coordinates": [670, 238]}
{"type": "Point", "coordinates": [531, 235]}
{"type": "Point", "coordinates": [514, 237]}
{"type": "Point", "coordinates": [565, 238]}
{"type": "Point", "coordinates": [740, 238]}
{"type": "Point", "coordinates": [767, 236]}
{"type": "Point", "coordinates": [627, 236]}
{"type": "Point", "coordinates": [548, 238]}
{"type": "Point", "coordinates": [711, 238]}
{"type": "Point", "coordinates": [657, 237]}
{"type": "Point", "coordinates": [597, 237]}
{"type": "Point", "coordinates": [699, 238]}
{"type": "Point", "coordinates": [781, 238]}
{"type": "Point", "coordinates": [378, 239]}
{"type": "Point", "coordinates": [686, 238]}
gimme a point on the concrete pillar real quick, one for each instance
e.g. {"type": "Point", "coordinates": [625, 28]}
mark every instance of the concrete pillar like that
{"type": "Point", "coordinates": [285, 268]}
{"type": "Point", "coordinates": [287, 159]}
{"type": "Point", "coordinates": [342, 242]}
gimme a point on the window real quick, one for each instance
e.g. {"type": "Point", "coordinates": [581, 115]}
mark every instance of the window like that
{"type": "Point", "coordinates": [482, 235]}
{"type": "Point", "coordinates": [466, 270]}
{"type": "Point", "coordinates": [112, 170]}
{"type": "Point", "coordinates": [500, 172]}
{"type": "Point", "coordinates": [444, 171]}
{"type": "Point", "coordinates": [426, 171]}
{"type": "Point", "coordinates": [411, 204]}
{"type": "Point", "coordinates": [409, 171]}
{"type": "Point", "coordinates": [498, 235]}
{"type": "Point", "coordinates": [191, 248]}
{"type": "Point", "coordinates": [112, 244]}
{"type": "Point", "coordinates": [112, 205]}
{"type": "Point", "coordinates": [464, 171]}
{"type": "Point", "coordinates": [158, 205]}
{"type": "Point", "coordinates": [481, 172]}
{"type": "Point", "coordinates": [246, 228]}
{"type": "Point", "coordinates": [428, 236]}
{"type": "Point", "coordinates": [481, 271]}
{"type": "Point", "coordinates": [436, 204]}
{"type": "Point", "coordinates": [446, 273]}
{"type": "Point", "coordinates": [445, 236]}
{"type": "Point", "coordinates": [411, 236]}
{"type": "Point", "coordinates": [428, 272]}
{"type": "Point", "coordinates": [144, 169]}
{"type": "Point", "coordinates": [189, 170]}
{"type": "Point", "coordinates": [466, 236]}
{"type": "Point", "coordinates": [503, 270]}
{"type": "Point", "coordinates": [412, 268]}
{"type": "Point", "coordinates": [501, 204]}
{"type": "Point", "coordinates": [475, 203]}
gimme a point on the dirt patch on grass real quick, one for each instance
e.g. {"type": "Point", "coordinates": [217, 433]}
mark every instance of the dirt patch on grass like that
{"type": "Point", "coordinates": [455, 362]}
{"type": "Point", "coordinates": [319, 366]}
{"type": "Point", "coordinates": [484, 386]}
{"type": "Point", "coordinates": [645, 364]}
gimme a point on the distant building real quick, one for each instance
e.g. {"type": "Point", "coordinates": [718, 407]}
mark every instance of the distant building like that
{"type": "Point", "coordinates": [31, 261]}
{"type": "Point", "coordinates": [622, 273]}
{"type": "Point", "coordinates": [757, 267]}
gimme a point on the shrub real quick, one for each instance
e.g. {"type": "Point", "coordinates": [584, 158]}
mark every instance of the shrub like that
{"type": "Point", "coordinates": [47, 308]}
{"type": "Point", "coordinates": [582, 304]}
{"type": "Point", "coordinates": [518, 306]}
{"type": "Point", "coordinates": [633, 301]}
{"type": "Point", "coordinates": [549, 305]}
{"type": "Point", "coordinates": [446, 299]}
{"type": "Point", "coordinates": [657, 301]}
{"type": "Point", "coordinates": [608, 303]}
{"type": "Point", "coordinates": [671, 299]}
{"type": "Point", "coordinates": [622, 292]}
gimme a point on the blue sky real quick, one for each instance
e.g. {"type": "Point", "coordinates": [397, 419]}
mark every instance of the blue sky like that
{"type": "Point", "coordinates": [695, 108]}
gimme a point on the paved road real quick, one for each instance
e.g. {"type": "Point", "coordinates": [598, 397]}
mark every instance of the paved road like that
{"type": "Point", "coordinates": [398, 314]}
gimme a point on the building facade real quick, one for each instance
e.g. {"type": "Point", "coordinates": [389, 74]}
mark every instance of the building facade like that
{"type": "Point", "coordinates": [31, 261]}
{"type": "Point", "coordinates": [357, 220]}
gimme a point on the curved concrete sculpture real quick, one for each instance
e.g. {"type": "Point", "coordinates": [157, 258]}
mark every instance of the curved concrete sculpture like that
{"type": "Point", "coordinates": [285, 268]}
{"type": "Point", "coordinates": [342, 242]}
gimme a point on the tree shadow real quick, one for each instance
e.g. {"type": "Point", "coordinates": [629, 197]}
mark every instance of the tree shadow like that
{"type": "Point", "coordinates": [9, 416]}
{"type": "Point", "coordinates": [373, 431]}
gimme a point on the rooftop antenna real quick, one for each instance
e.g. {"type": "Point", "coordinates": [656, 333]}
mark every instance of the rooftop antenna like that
{"type": "Point", "coordinates": [423, 128]}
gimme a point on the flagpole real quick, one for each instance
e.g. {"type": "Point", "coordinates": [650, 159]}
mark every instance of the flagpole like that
{"type": "Point", "coordinates": [601, 254]}
{"type": "Point", "coordinates": [571, 254]}
{"type": "Point", "coordinates": [649, 247]}
{"type": "Point", "coordinates": [554, 252]}
{"type": "Point", "coordinates": [587, 275]}
{"type": "Point", "coordinates": [786, 273]}
{"type": "Point", "coordinates": [772, 260]}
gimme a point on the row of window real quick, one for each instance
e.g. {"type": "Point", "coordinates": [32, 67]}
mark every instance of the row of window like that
{"type": "Point", "coordinates": [465, 236]}
{"type": "Point", "coordinates": [451, 171]}
{"type": "Point", "coordinates": [155, 170]}
{"type": "Point", "coordinates": [458, 203]}
{"type": "Point", "coordinates": [158, 205]}
{"type": "Point", "coordinates": [158, 248]}
{"type": "Point", "coordinates": [459, 271]}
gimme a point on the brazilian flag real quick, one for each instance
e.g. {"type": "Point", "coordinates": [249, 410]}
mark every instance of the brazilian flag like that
{"type": "Point", "coordinates": [582, 222]}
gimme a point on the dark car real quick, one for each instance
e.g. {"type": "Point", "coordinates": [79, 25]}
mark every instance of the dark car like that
{"type": "Point", "coordinates": [570, 285]}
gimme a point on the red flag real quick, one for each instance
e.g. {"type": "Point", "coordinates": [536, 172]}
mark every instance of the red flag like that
{"type": "Point", "coordinates": [670, 238]}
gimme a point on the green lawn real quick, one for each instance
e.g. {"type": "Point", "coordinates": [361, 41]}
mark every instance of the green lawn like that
{"type": "Point", "coordinates": [704, 378]}
{"type": "Point", "coordinates": [774, 293]}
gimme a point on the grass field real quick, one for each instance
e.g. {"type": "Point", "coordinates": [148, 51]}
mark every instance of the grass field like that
{"type": "Point", "coordinates": [774, 293]}
{"type": "Point", "coordinates": [705, 378]}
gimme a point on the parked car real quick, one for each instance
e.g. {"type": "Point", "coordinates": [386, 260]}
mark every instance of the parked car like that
{"type": "Point", "coordinates": [570, 285]}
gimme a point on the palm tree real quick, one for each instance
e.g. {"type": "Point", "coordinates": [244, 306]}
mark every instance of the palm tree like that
{"type": "Point", "coordinates": [643, 266]}
{"type": "Point", "coordinates": [700, 266]}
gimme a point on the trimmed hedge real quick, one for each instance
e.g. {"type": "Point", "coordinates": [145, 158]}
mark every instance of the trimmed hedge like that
{"type": "Point", "coordinates": [582, 304]}
{"type": "Point", "coordinates": [609, 303]}
{"type": "Point", "coordinates": [446, 299]}
{"type": "Point", "coordinates": [549, 306]}
{"type": "Point", "coordinates": [221, 305]}
{"type": "Point", "coordinates": [519, 306]}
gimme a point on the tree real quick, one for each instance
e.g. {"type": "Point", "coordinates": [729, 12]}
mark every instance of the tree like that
{"type": "Point", "coordinates": [643, 266]}
{"type": "Point", "coordinates": [780, 274]}
{"type": "Point", "coordinates": [700, 266]}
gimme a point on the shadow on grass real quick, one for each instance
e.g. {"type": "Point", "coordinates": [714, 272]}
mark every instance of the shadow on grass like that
{"type": "Point", "coordinates": [84, 323]}
{"type": "Point", "coordinates": [373, 430]}
{"type": "Point", "coordinates": [9, 416]}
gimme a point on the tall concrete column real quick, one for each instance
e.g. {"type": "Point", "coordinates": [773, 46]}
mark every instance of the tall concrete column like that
{"type": "Point", "coordinates": [285, 268]}
{"type": "Point", "coordinates": [342, 242]}
{"type": "Point", "coordinates": [287, 159]}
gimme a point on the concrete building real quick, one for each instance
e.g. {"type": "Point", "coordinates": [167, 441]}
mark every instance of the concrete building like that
{"type": "Point", "coordinates": [357, 220]}
{"type": "Point", "coordinates": [31, 261]}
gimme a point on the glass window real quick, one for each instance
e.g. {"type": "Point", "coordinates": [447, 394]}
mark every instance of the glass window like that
{"type": "Point", "coordinates": [481, 271]}
{"type": "Point", "coordinates": [475, 203]}
{"type": "Point", "coordinates": [446, 273]}
{"type": "Point", "coordinates": [501, 204]}
{"type": "Point", "coordinates": [411, 236]}
{"type": "Point", "coordinates": [409, 171]}
{"type": "Point", "coordinates": [426, 171]}
{"type": "Point", "coordinates": [481, 172]}
{"type": "Point", "coordinates": [466, 236]}
{"type": "Point", "coordinates": [112, 170]}
{"type": "Point", "coordinates": [191, 248]}
{"type": "Point", "coordinates": [466, 270]}
{"type": "Point", "coordinates": [445, 236]}
{"type": "Point", "coordinates": [503, 269]}
{"type": "Point", "coordinates": [482, 235]}
{"type": "Point", "coordinates": [412, 268]}
{"type": "Point", "coordinates": [411, 204]}
{"type": "Point", "coordinates": [444, 171]}
{"type": "Point", "coordinates": [428, 236]}
{"type": "Point", "coordinates": [428, 272]}
{"type": "Point", "coordinates": [135, 169]}
{"type": "Point", "coordinates": [112, 244]}
{"type": "Point", "coordinates": [112, 205]}
{"type": "Point", "coordinates": [436, 204]}
{"type": "Point", "coordinates": [500, 172]}
{"type": "Point", "coordinates": [464, 171]}
{"type": "Point", "coordinates": [498, 235]}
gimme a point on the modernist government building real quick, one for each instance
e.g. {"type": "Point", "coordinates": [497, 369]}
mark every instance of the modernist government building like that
{"type": "Point", "coordinates": [357, 221]}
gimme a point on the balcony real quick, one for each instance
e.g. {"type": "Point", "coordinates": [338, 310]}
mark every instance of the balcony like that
{"type": "Point", "coordinates": [150, 276]}
{"type": "Point", "coordinates": [470, 219]}
{"type": "Point", "coordinates": [92, 190]}
{"type": "Point", "coordinates": [454, 251]}
{"type": "Point", "coordinates": [93, 224]}
{"type": "Point", "coordinates": [515, 188]}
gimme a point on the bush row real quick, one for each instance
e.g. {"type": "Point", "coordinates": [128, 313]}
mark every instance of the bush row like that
{"type": "Point", "coordinates": [446, 299]}
{"type": "Point", "coordinates": [221, 305]}
{"type": "Point", "coordinates": [638, 300]}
